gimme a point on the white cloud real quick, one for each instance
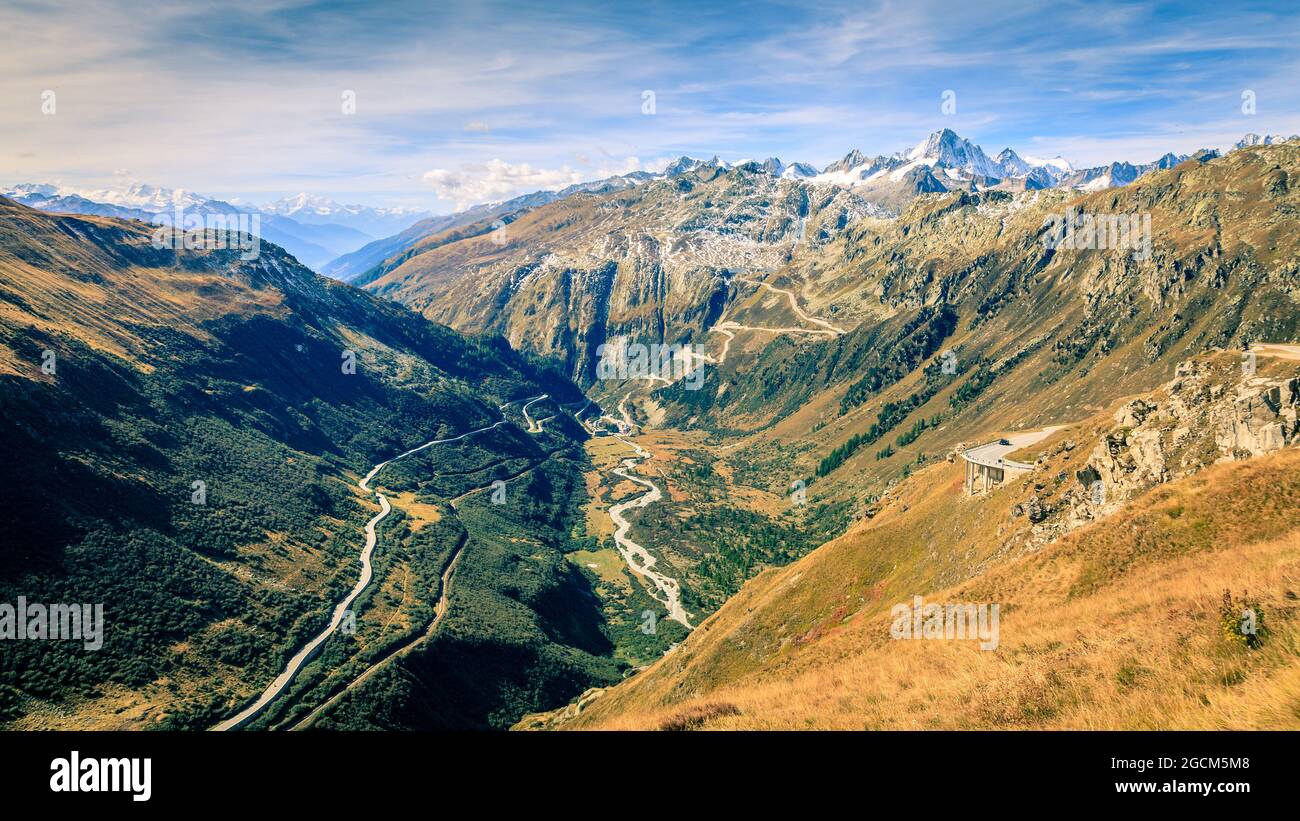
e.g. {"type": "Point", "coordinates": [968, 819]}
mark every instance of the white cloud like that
{"type": "Point", "coordinates": [658, 164]}
{"type": "Point", "coordinates": [497, 179]}
{"type": "Point", "coordinates": [452, 85]}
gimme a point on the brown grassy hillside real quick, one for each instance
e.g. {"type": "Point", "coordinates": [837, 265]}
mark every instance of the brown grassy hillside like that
{"type": "Point", "coordinates": [1118, 625]}
{"type": "Point", "coordinates": [1096, 595]}
{"type": "Point", "coordinates": [189, 460]}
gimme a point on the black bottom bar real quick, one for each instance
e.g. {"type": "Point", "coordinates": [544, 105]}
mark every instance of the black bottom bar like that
{"type": "Point", "coordinates": [358, 770]}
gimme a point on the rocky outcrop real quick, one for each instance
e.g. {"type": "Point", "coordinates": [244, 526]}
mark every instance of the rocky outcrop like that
{"type": "Point", "coordinates": [1260, 418]}
{"type": "Point", "coordinates": [554, 719]}
{"type": "Point", "coordinates": [1208, 413]}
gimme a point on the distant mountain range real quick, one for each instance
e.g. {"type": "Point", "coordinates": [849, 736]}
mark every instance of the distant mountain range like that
{"type": "Point", "coordinates": [1266, 139]}
{"type": "Point", "coordinates": [311, 209]}
{"type": "Point", "coordinates": [945, 161]}
{"type": "Point", "coordinates": [349, 241]}
{"type": "Point", "coordinates": [941, 162]}
{"type": "Point", "coordinates": [313, 229]}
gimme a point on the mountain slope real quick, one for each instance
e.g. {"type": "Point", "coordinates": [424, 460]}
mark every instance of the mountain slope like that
{"type": "Point", "coordinates": [967, 278]}
{"type": "Point", "coordinates": [132, 373]}
{"type": "Point", "coordinates": [664, 263]}
{"type": "Point", "coordinates": [1145, 651]}
{"type": "Point", "coordinates": [958, 320]}
{"type": "Point", "coordinates": [358, 266]}
{"type": "Point", "coordinates": [651, 262]}
{"type": "Point", "coordinates": [1112, 602]}
{"type": "Point", "coordinates": [322, 232]}
{"type": "Point", "coordinates": [1035, 336]}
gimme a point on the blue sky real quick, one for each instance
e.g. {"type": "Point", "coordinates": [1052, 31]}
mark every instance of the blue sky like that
{"type": "Point", "coordinates": [458, 102]}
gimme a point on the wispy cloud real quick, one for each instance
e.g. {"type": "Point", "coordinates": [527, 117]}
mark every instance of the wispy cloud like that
{"type": "Point", "coordinates": [245, 98]}
{"type": "Point", "coordinates": [497, 179]}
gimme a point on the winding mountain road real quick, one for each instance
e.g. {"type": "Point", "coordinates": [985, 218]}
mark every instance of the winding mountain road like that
{"type": "Point", "coordinates": [1279, 350]}
{"type": "Point", "coordinates": [794, 306]}
{"type": "Point", "coordinates": [728, 327]}
{"type": "Point", "coordinates": [533, 426]}
{"type": "Point", "coordinates": [305, 654]}
{"type": "Point", "coordinates": [439, 610]}
{"type": "Point", "coordinates": [440, 607]}
{"type": "Point", "coordinates": [994, 453]}
{"type": "Point", "coordinates": [626, 419]}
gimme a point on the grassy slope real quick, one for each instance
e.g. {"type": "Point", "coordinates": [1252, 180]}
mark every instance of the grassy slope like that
{"type": "Point", "coordinates": [1116, 625]}
{"type": "Point", "coordinates": [174, 367]}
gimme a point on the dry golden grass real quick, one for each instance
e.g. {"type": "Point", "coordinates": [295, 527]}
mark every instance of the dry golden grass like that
{"type": "Point", "coordinates": [594, 512]}
{"type": "Point", "coordinates": [692, 718]}
{"type": "Point", "coordinates": [104, 297]}
{"type": "Point", "coordinates": [1115, 626]}
{"type": "Point", "coordinates": [606, 563]}
{"type": "Point", "coordinates": [1147, 655]}
{"type": "Point", "coordinates": [418, 513]}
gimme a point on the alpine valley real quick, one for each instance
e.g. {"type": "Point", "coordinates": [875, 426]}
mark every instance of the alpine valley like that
{"type": "Point", "coordinates": [413, 494]}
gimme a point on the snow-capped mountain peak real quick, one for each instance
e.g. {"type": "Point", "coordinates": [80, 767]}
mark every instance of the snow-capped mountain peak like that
{"type": "Point", "coordinates": [1012, 163]}
{"type": "Point", "coordinates": [313, 203]}
{"type": "Point", "coordinates": [1056, 165]}
{"type": "Point", "coordinates": [33, 189]}
{"type": "Point", "coordinates": [682, 165]}
{"type": "Point", "coordinates": [1262, 139]}
{"type": "Point", "coordinates": [140, 196]}
{"type": "Point", "coordinates": [774, 167]}
{"type": "Point", "coordinates": [947, 149]}
{"type": "Point", "coordinates": [304, 203]}
{"type": "Point", "coordinates": [147, 197]}
{"type": "Point", "coordinates": [798, 170]}
{"type": "Point", "coordinates": [853, 159]}
{"type": "Point", "coordinates": [314, 209]}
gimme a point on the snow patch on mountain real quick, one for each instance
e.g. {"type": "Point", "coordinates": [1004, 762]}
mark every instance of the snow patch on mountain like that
{"type": "Point", "coordinates": [315, 204]}
{"type": "Point", "coordinates": [1263, 139]}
